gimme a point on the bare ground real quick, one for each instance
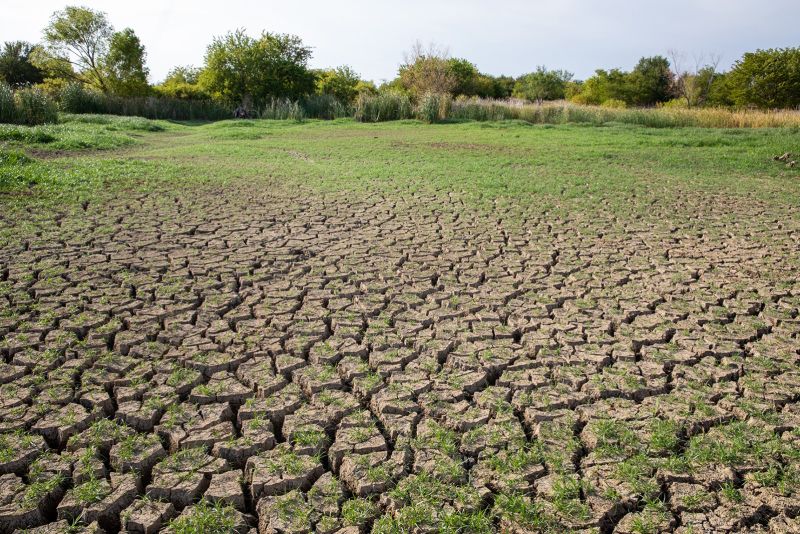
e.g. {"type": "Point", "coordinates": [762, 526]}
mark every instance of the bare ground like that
{"type": "Point", "coordinates": [631, 370]}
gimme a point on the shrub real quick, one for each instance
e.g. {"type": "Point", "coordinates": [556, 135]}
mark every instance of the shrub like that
{"type": "Point", "coordinates": [387, 106]}
{"type": "Point", "coordinates": [35, 107]}
{"type": "Point", "coordinates": [76, 99]}
{"type": "Point", "coordinates": [614, 103]}
{"type": "Point", "coordinates": [8, 108]}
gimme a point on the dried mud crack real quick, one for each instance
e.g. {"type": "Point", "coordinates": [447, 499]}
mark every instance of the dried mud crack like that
{"type": "Point", "coordinates": [361, 363]}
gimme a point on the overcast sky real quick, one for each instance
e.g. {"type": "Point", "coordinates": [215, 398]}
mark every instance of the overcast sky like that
{"type": "Point", "coordinates": [499, 36]}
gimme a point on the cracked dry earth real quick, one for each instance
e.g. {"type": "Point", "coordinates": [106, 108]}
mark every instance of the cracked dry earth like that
{"type": "Point", "coordinates": [405, 363]}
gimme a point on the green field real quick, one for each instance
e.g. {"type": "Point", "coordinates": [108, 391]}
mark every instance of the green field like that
{"type": "Point", "coordinates": [509, 160]}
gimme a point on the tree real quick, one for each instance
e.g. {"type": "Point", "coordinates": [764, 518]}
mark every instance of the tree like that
{"type": "Point", "coordinates": [341, 82]}
{"type": "Point", "coordinates": [604, 86]}
{"type": "Point", "coordinates": [123, 66]}
{"type": "Point", "coordinates": [767, 78]}
{"type": "Point", "coordinates": [183, 83]}
{"type": "Point", "coordinates": [650, 81]}
{"type": "Point", "coordinates": [503, 86]}
{"type": "Point", "coordinates": [427, 70]}
{"type": "Point", "coordinates": [542, 84]}
{"type": "Point", "coordinates": [80, 36]}
{"type": "Point", "coordinates": [241, 69]}
{"type": "Point", "coordinates": [466, 75]}
{"type": "Point", "coordinates": [16, 67]}
{"type": "Point", "coordinates": [693, 83]}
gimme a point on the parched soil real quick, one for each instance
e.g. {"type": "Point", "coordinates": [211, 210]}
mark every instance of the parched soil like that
{"type": "Point", "coordinates": [407, 357]}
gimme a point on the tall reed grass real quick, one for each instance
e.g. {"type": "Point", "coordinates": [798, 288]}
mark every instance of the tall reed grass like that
{"type": "Point", "coordinates": [566, 112]}
{"type": "Point", "coordinates": [383, 107]}
{"type": "Point", "coordinates": [32, 106]}
{"type": "Point", "coordinates": [76, 99]}
{"type": "Point", "coordinates": [29, 105]}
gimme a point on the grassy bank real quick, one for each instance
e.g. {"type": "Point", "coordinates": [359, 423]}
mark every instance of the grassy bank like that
{"type": "Point", "coordinates": [86, 157]}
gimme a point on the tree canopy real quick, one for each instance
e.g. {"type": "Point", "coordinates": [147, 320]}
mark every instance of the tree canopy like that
{"type": "Point", "coordinates": [242, 69]}
{"type": "Point", "coordinates": [123, 66]}
{"type": "Point", "coordinates": [16, 67]}
{"type": "Point", "coordinates": [542, 84]}
{"type": "Point", "coordinates": [80, 36]}
{"type": "Point", "coordinates": [767, 78]}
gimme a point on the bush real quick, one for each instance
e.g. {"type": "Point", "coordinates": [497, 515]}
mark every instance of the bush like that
{"type": "Point", "coordinates": [35, 107]}
{"type": "Point", "coordinates": [29, 106]}
{"type": "Point", "coordinates": [8, 107]}
{"type": "Point", "coordinates": [675, 103]}
{"type": "Point", "coordinates": [76, 99]}
{"type": "Point", "coordinates": [388, 106]}
{"type": "Point", "coordinates": [614, 103]}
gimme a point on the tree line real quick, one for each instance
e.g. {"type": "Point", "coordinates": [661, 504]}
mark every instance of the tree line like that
{"type": "Point", "coordinates": [80, 46]}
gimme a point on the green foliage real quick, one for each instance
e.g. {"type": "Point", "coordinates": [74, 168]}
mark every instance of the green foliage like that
{"type": "Point", "coordinates": [542, 85]}
{"type": "Point", "coordinates": [341, 83]}
{"type": "Point", "coordinates": [385, 106]}
{"type": "Point", "coordinates": [427, 70]}
{"type": "Point", "coordinates": [182, 83]}
{"type": "Point", "coordinates": [80, 36]}
{"type": "Point", "coordinates": [243, 70]}
{"type": "Point", "coordinates": [75, 98]}
{"type": "Point", "coordinates": [16, 68]}
{"type": "Point", "coordinates": [8, 106]}
{"type": "Point", "coordinates": [614, 103]}
{"type": "Point", "coordinates": [468, 80]}
{"type": "Point", "coordinates": [35, 107]}
{"type": "Point", "coordinates": [767, 78]}
{"type": "Point", "coordinates": [124, 65]}
{"type": "Point", "coordinates": [650, 81]}
{"type": "Point", "coordinates": [29, 105]}
{"type": "Point", "coordinates": [603, 86]}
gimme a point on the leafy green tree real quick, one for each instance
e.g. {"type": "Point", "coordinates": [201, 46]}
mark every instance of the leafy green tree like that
{"type": "Point", "coordinates": [123, 65]}
{"type": "Point", "coordinates": [80, 36]}
{"type": "Point", "coordinates": [721, 93]}
{"type": "Point", "coordinates": [503, 86]}
{"type": "Point", "coordinates": [183, 83]}
{"type": "Point", "coordinates": [542, 84]}
{"type": "Point", "coordinates": [767, 78]}
{"type": "Point", "coordinates": [241, 69]}
{"type": "Point", "coordinates": [366, 87]}
{"type": "Point", "coordinates": [16, 67]}
{"type": "Point", "coordinates": [427, 70]}
{"type": "Point", "coordinates": [466, 75]}
{"type": "Point", "coordinates": [604, 86]}
{"type": "Point", "coordinates": [650, 81]}
{"type": "Point", "coordinates": [341, 82]}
